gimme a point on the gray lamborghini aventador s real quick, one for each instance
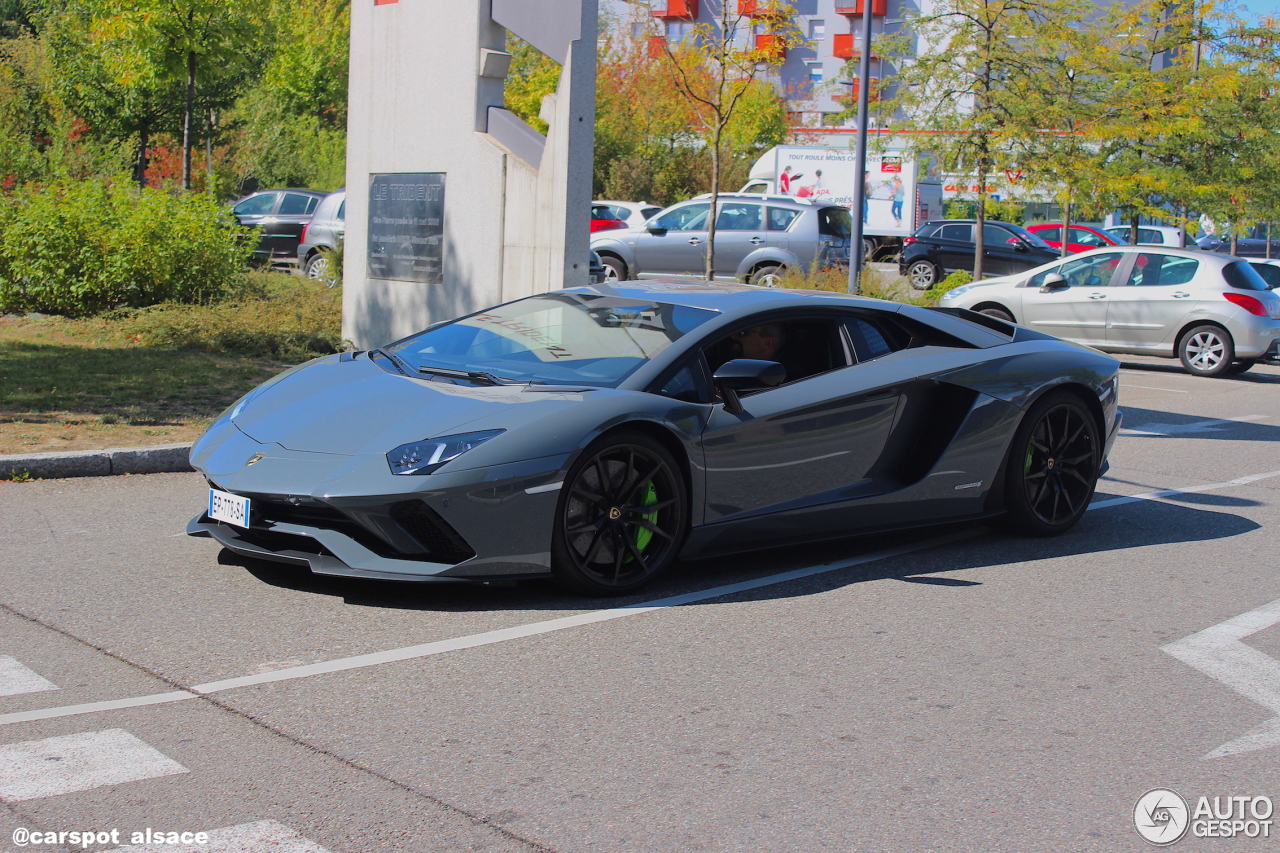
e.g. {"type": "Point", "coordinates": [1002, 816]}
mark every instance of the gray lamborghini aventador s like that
{"type": "Point", "coordinates": [596, 435]}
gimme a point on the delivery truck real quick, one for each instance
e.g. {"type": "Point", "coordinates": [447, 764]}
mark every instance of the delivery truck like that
{"type": "Point", "coordinates": [901, 195]}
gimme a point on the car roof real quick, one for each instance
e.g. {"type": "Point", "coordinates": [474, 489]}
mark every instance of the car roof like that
{"type": "Point", "coordinates": [732, 298]}
{"type": "Point", "coordinates": [799, 202]}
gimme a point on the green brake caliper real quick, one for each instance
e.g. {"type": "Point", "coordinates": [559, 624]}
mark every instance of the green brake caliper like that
{"type": "Point", "coordinates": [643, 535]}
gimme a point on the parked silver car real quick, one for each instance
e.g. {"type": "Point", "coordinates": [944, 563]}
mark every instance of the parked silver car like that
{"type": "Point", "coordinates": [322, 235]}
{"type": "Point", "coordinates": [1214, 312]}
{"type": "Point", "coordinates": [1150, 235]}
{"type": "Point", "coordinates": [757, 237]}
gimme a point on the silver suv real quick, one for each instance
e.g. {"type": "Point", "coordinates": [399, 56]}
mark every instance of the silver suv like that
{"type": "Point", "coordinates": [757, 237]}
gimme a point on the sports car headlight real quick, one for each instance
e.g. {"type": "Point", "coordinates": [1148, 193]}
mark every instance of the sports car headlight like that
{"type": "Point", "coordinates": [423, 457]}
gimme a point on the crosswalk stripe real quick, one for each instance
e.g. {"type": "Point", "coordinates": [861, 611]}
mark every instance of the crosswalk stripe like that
{"type": "Point", "coordinates": [16, 678]}
{"type": "Point", "coordinates": [81, 762]}
{"type": "Point", "coordinates": [264, 836]}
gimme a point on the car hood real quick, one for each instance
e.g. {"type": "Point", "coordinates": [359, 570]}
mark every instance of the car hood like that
{"type": "Point", "coordinates": [354, 407]}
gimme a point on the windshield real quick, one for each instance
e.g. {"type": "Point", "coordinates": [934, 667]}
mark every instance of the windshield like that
{"type": "Point", "coordinates": [1032, 239]}
{"type": "Point", "coordinates": [579, 338]}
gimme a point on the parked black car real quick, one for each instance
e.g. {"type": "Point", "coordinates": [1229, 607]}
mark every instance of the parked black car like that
{"type": "Point", "coordinates": [322, 235]}
{"type": "Point", "coordinates": [943, 245]}
{"type": "Point", "coordinates": [281, 214]}
{"type": "Point", "coordinates": [1250, 245]}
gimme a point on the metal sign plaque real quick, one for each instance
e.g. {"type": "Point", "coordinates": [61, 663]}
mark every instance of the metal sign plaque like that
{"type": "Point", "coordinates": [406, 227]}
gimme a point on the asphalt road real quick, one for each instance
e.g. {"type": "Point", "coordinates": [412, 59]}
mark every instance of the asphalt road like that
{"type": "Point", "coordinates": [957, 689]}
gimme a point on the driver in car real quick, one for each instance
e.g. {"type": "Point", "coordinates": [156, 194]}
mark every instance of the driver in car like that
{"type": "Point", "coordinates": [760, 342]}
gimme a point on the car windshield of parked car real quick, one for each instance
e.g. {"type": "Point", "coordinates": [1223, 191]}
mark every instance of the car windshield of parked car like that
{"type": "Point", "coordinates": [1031, 239]}
{"type": "Point", "coordinates": [575, 338]}
{"type": "Point", "coordinates": [1242, 276]}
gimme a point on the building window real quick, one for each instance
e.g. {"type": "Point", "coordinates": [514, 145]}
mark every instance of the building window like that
{"type": "Point", "coordinates": [817, 30]}
{"type": "Point", "coordinates": [679, 30]}
{"type": "Point", "coordinates": [815, 73]}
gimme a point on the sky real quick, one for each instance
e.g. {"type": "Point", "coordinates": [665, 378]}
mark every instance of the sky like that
{"type": "Point", "coordinates": [1256, 8]}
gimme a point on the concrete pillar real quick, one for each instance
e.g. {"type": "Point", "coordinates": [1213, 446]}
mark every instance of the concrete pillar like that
{"type": "Point", "coordinates": [462, 204]}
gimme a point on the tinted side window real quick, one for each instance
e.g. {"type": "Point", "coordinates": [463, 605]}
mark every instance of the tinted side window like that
{"type": "Point", "coordinates": [994, 236]}
{"type": "Point", "coordinates": [1269, 273]}
{"type": "Point", "coordinates": [804, 347]}
{"type": "Point", "coordinates": [691, 217]}
{"type": "Point", "coordinates": [686, 384]}
{"type": "Point", "coordinates": [297, 205]}
{"type": "Point", "coordinates": [1152, 270]}
{"type": "Point", "coordinates": [736, 216]}
{"type": "Point", "coordinates": [342, 211]}
{"type": "Point", "coordinates": [869, 340]}
{"type": "Point", "coordinates": [1085, 238]}
{"type": "Point", "coordinates": [258, 205]}
{"type": "Point", "coordinates": [1242, 276]}
{"type": "Point", "coordinates": [957, 231]}
{"type": "Point", "coordinates": [780, 218]}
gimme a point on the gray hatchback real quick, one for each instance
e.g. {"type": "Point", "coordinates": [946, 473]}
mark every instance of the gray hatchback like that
{"type": "Point", "coordinates": [323, 235]}
{"type": "Point", "coordinates": [757, 238]}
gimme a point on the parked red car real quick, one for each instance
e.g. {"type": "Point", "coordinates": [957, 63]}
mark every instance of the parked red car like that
{"type": "Point", "coordinates": [1080, 238]}
{"type": "Point", "coordinates": [604, 219]}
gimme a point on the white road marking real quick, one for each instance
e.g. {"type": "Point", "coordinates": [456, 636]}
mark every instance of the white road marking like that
{"type": "Point", "coordinates": [474, 640]}
{"type": "Point", "coordinates": [264, 836]}
{"type": "Point", "coordinates": [1194, 427]}
{"type": "Point", "coordinates": [16, 678]}
{"type": "Point", "coordinates": [1164, 493]}
{"type": "Point", "coordinates": [1219, 653]}
{"type": "Point", "coordinates": [1154, 388]}
{"type": "Point", "coordinates": [81, 762]}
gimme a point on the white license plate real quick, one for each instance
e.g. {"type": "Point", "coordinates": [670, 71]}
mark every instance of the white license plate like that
{"type": "Point", "coordinates": [232, 509]}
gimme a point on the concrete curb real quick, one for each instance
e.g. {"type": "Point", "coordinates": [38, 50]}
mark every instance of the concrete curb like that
{"type": "Point", "coordinates": [157, 459]}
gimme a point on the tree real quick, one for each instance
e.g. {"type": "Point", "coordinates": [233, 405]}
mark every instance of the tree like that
{"type": "Point", "coordinates": [200, 42]}
{"type": "Point", "coordinates": [964, 81]}
{"type": "Point", "coordinates": [716, 76]}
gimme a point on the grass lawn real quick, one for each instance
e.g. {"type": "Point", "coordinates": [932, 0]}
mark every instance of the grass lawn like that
{"type": "Point", "coordinates": [87, 385]}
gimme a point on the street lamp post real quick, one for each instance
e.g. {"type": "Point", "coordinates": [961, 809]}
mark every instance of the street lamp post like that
{"type": "Point", "coordinates": [860, 200]}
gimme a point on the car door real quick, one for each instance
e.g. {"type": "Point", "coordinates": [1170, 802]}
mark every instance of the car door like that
{"type": "Point", "coordinates": [674, 244]}
{"type": "Point", "coordinates": [804, 443]}
{"type": "Point", "coordinates": [292, 214]}
{"type": "Point", "coordinates": [1000, 251]}
{"type": "Point", "coordinates": [1077, 312]}
{"type": "Point", "coordinates": [1149, 307]}
{"type": "Point", "coordinates": [739, 232]}
{"type": "Point", "coordinates": [257, 211]}
{"type": "Point", "coordinates": [953, 246]}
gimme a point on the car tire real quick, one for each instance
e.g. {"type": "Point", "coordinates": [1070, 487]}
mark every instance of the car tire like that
{"type": "Point", "coordinates": [614, 269]}
{"type": "Point", "coordinates": [317, 266]}
{"type": "Point", "coordinates": [999, 314]}
{"type": "Point", "coordinates": [923, 275]}
{"type": "Point", "coordinates": [621, 517]}
{"type": "Point", "coordinates": [869, 247]}
{"type": "Point", "coordinates": [1206, 350]}
{"type": "Point", "coordinates": [1241, 366]}
{"type": "Point", "coordinates": [769, 275]}
{"type": "Point", "coordinates": [1052, 467]}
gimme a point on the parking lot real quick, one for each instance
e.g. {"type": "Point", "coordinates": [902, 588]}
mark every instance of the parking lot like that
{"type": "Point", "coordinates": [952, 689]}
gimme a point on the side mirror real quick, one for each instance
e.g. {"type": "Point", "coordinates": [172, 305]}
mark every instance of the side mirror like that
{"type": "Point", "coordinates": [654, 229]}
{"type": "Point", "coordinates": [1054, 283]}
{"type": "Point", "coordinates": [740, 373]}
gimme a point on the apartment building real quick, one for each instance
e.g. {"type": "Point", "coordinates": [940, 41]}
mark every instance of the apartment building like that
{"type": "Point", "coordinates": [814, 77]}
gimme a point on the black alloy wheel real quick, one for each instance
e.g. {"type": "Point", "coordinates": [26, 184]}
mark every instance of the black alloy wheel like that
{"type": "Point", "coordinates": [1053, 466]}
{"type": "Point", "coordinates": [622, 516]}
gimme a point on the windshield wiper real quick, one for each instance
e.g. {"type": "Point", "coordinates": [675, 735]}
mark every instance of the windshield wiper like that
{"type": "Point", "coordinates": [479, 377]}
{"type": "Point", "coordinates": [395, 362]}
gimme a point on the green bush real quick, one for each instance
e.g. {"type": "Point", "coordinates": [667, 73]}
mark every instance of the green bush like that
{"type": "Point", "coordinates": [275, 315]}
{"type": "Point", "coordinates": [87, 247]}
